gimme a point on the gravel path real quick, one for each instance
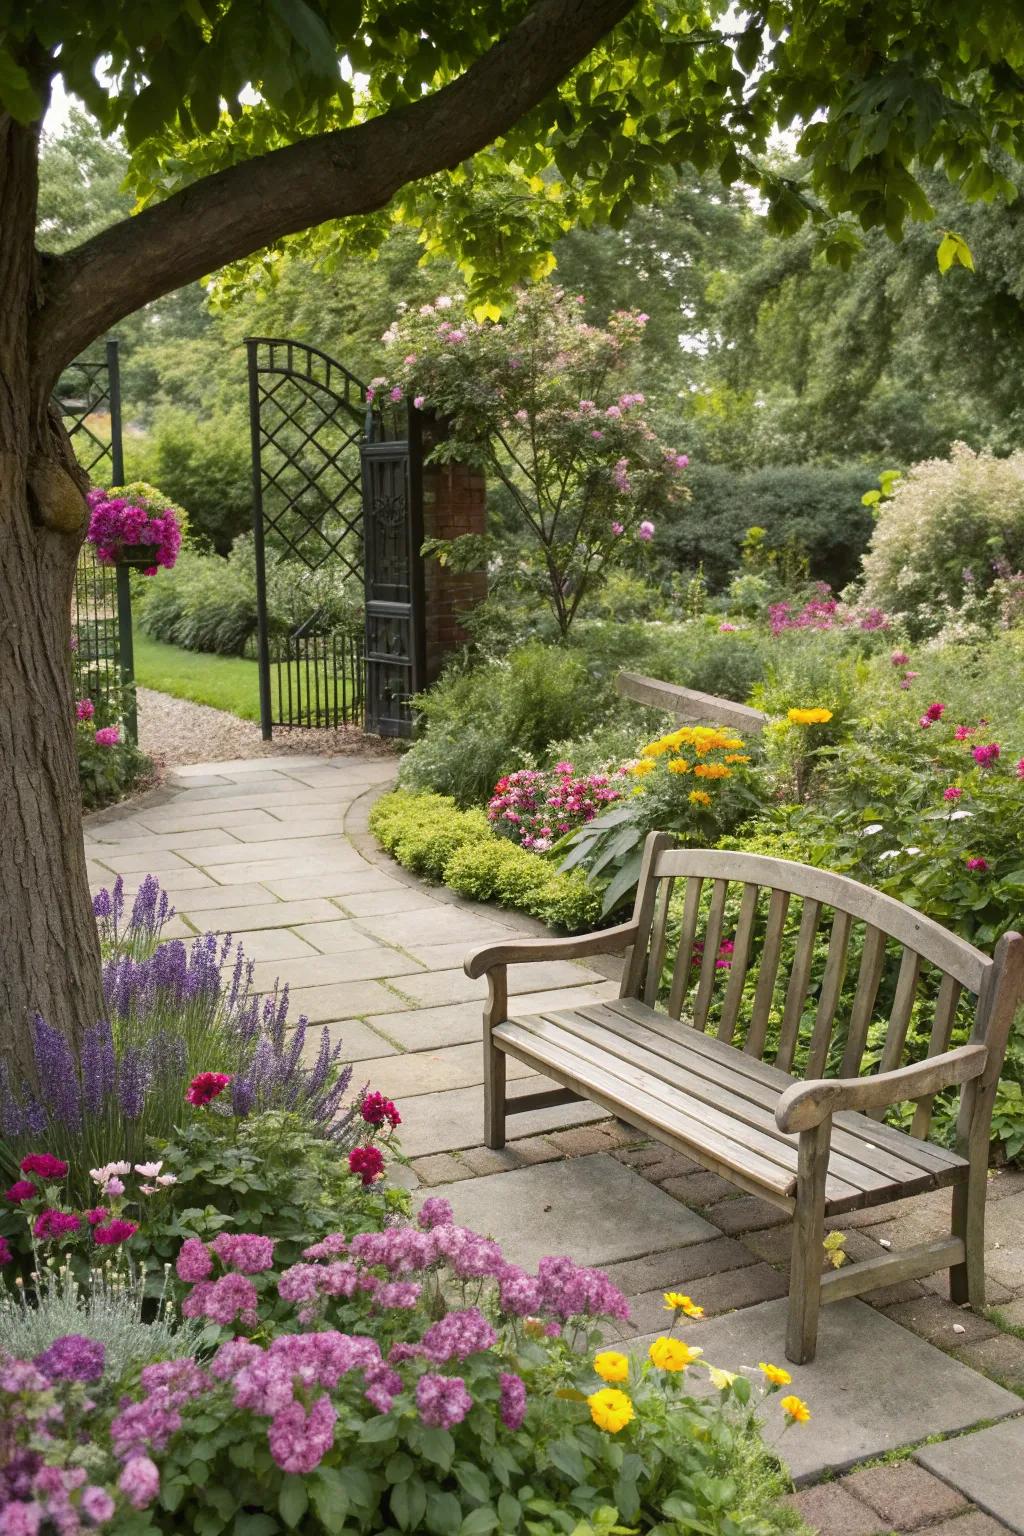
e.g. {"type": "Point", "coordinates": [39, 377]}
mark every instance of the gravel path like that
{"type": "Point", "coordinates": [175, 731]}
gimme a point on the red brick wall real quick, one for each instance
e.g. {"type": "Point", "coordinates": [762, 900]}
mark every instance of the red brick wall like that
{"type": "Point", "coordinates": [454, 502]}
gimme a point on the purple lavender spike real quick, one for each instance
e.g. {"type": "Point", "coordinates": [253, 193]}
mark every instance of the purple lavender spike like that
{"type": "Point", "coordinates": [97, 1066]}
{"type": "Point", "coordinates": [131, 1083]}
{"type": "Point", "coordinates": [57, 1068]}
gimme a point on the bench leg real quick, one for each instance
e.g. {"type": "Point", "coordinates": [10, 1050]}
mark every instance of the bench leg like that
{"type": "Point", "coordinates": [494, 1060]}
{"type": "Point", "coordinates": [808, 1236]}
{"type": "Point", "coordinates": [967, 1280]}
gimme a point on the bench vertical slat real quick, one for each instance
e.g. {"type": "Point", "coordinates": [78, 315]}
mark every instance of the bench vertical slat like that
{"type": "Point", "coordinates": [684, 954]}
{"type": "Point", "coordinates": [798, 979]}
{"type": "Point", "coordinates": [767, 973]}
{"type": "Point", "coordinates": [942, 1028]}
{"type": "Point", "coordinates": [740, 961]}
{"type": "Point", "coordinates": [635, 968]}
{"type": "Point", "coordinates": [659, 933]}
{"type": "Point", "coordinates": [899, 1018]}
{"type": "Point", "coordinates": [872, 963]}
{"type": "Point", "coordinates": [831, 987]}
{"type": "Point", "coordinates": [712, 939]}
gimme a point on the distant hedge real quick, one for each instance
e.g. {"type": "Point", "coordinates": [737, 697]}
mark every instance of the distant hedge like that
{"type": "Point", "coordinates": [817, 508]}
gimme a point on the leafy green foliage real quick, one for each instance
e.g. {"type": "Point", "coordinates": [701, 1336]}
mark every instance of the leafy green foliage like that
{"type": "Point", "coordinates": [204, 463]}
{"type": "Point", "coordinates": [429, 834]}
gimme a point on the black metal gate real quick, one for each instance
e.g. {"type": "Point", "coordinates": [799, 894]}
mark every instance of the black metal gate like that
{"type": "Point", "coordinates": [334, 494]}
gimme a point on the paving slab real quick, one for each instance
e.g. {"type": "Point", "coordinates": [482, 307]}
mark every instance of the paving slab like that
{"type": "Point", "coordinates": [272, 944]}
{"type": "Point", "coordinates": [988, 1467]}
{"type": "Point", "coordinates": [437, 987]}
{"type": "Point", "coordinates": [342, 1000]}
{"type": "Point", "coordinates": [209, 900]}
{"type": "Point", "coordinates": [144, 861]}
{"type": "Point", "coordinates": [592, 1208]}
{"type": "Point", "coordinates": [360, 1044]}
{"type": "Point", "coordinates": [905, 1495]}
{"type": "Point", "coordinates": [173, 881]}
{"type": "Point", "coordinates": [298, 831]}
{"type": "Point", "coordinates": [330, 850]}
{"type": "Point", "coordinates": [872, 1388]}
{"type": "Point", "coordinates": [339, 936]}
{"type": "Point", "coordinates": [163, 821]}
{"type": "Point", "coordinates": [387, 898]}
{"type": "Point", "coordinates": [1004, 1240]}
{"type": "Point", "coordinates": [438, 923]}
{"type": "Point", "coordinates": [426, 1072]}
{"type": "Point", "coordinates": [444, 1122]}
{"type": "Point", "coordinates": [330, 882]}
{"type": "Point", "coordinates": [139, 840]}
{"type": "Point", "coordinates": [257, 912]}
{"type": "Point", "coordinates": [427, 1029]}
{"type": "Point", "coordinates": [318, 970]}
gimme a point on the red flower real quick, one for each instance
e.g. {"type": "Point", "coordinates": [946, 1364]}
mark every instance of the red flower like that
{"type": "Point", "coordinates": [935, 711]}
{"type": "Point", "coordinates": [375, 1109]}
{"type": "Point", "coordinates": [24, 1189]}
{"type": "Point", "coordinates": [368, 1162]}
{"type": "Point", "coordinates": [116, 1231]}
{"type": "Point", "coordinates": [98, 1214]}
{"type": "Point", "coordinates": [55, 1224]}
{"type": "Point", "coordinates": [207, 1086]}
{"type": "Point", "coordinates": [44, 1164]}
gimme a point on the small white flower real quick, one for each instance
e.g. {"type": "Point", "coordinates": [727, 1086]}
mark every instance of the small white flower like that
{"type": "Point", "coordinates": [166, 1179]}
{"type": "Point", "coordinates": [444, 302]}
{"type": "Point", "coordinates": [876, 826]}
{"type": "Point", "coordinates": [911, 850]}
{"type": "Point", "coordinates": [148, 1170]}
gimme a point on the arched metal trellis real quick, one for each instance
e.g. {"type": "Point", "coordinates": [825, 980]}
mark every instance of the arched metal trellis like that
{"type": "Point", "coordinates": [333, 495]}
{"type": "Point", "coordinates": [88, 390]}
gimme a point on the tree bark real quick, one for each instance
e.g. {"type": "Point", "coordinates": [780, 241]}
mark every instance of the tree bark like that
{"type": "Point", "coordinates": [49, 954]}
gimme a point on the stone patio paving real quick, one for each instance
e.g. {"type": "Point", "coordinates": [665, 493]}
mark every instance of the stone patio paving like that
{"type": "Point", "coordinates": [276, 851]}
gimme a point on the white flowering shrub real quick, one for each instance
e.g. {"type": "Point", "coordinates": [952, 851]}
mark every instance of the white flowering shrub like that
{"type": "Point", "coordinates": [947, 539]}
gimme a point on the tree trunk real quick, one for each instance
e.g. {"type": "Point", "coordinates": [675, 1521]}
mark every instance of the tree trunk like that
{"type": "Point", "coordinates": [49, 954]}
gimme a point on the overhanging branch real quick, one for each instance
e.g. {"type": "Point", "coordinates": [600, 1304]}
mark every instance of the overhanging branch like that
{"type": "Point", "coordinates": [235, 212]}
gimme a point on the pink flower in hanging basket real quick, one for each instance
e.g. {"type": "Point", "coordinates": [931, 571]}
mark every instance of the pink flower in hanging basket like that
{"type": "Point", "coordinates": [118, 527]}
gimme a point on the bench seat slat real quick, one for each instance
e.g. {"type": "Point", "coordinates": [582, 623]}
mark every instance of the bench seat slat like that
{"type": "Point", "coordinates": [717, 1082]}
{"type": "Point", "coordinates": [924, 1152]}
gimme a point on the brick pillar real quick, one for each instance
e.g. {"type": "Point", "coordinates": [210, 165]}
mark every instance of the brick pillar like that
{"type": "Point", "coordinates": [454, 502]}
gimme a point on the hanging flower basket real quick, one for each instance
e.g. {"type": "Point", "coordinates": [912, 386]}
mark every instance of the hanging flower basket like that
{"type": "Point", "coordinates": [132, 528]}
{"type": "Point", "coordinates": [138, 557]}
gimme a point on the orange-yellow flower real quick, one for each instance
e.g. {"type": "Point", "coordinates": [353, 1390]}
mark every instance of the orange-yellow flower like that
{"type": "Point", "coordinates": [795, 1409]}
{"type": "Point", "coordinates": [774, 1373]}
{"type": "Point", "coordinates": [678, 765]}
{"type": "Point", "coordinates": [699, 797]}
{"type": "Point", "coordinates": [611, 1366]}
{"type": "Point", "coordinates": [737, 757]}
{"type": "Point", "coordinates": [675, 1301]}
{"type": "Point", "coordinates": [610, 1409]}
{"type": "Point", "coordinates": [712, 771]}
{"type": "Point", "coordinates": [645, 765]}
{"type": "Point", "coordinates": [672, 1354]}
{"type": "Point", "coordinates": [809, 716]}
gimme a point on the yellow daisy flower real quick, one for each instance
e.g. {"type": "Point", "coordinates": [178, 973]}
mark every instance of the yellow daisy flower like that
{"type": "Point", "coordinates": [795, 1409]}
{"type": "Point", "coordinates": [774, 1373]}
{"type": "Point", "coordinates": [721, 1379]}
{"type": "Point", "coordinates": [712, 771]}
{"type": "Point", "coordinates": [611, 1366]}
{"type": "Point", "coordinates": [672, 1354]}
{"type": "Point", "coordinates": [610, 1409]}
{"type": "Point", "coordinates": [675, 1301]}
{"type": "Point", "coordinates": [678, 765]}
{"type": "Point", "coordinates": [699, 797]}
{"type": "Point", "coordinates": [645, 765]}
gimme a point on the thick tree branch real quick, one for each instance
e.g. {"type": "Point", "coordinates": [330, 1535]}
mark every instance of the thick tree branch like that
{"type": "Point", "coordinates": [356, 170]}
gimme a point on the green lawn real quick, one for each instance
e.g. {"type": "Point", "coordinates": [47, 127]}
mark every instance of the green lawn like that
{"type": "Point", "coordinates": [224, 682]}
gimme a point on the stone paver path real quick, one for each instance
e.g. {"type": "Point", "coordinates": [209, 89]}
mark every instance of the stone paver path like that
{"type": "Point", "coordinates": [276, 851]}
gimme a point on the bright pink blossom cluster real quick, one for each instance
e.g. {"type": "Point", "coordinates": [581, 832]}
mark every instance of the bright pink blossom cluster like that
{"type": "Point", "coordinates": [823, 612]}
{"type": "Point", "coordinates": [115, 523]}
{"type": "Point", "coordinates": [534, 806]}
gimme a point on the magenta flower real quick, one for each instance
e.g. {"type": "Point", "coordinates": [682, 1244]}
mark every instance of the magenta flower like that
{"type": "Point", "coordinates": [983, 756]}
{"type": "Point", "coordinates": [442, 1401]}
{"type": "Point", "coordinates": [108, 736]}
{"type": "Point", "coordinates": [53, 1225]}
{"type": "Point", "coordinates": [419, 401]}
{"type": "Point", "coordinates": [645, 531]}
{"type": "Point", "coordinates": [899, 658]}
{"type": "Point", "coordinates": [395, 395]}
{"type": "Point", "coordinates": [935, 711]}
{"type": "Point", "coordinates": [98, 1504]}
{"type": "Point", "coordinates": [513, 1400]}
{"type": "Point", "coordinates": [5, 1251]}
{"type": "Point", "coordinates": [375, 1109]}
{"type": "Point", "coordinates": [978, 865]}
{"type": "Point", "coordinates": [193, 1262]}
{"type": "Point", "coordinates": [368, 1162]}
{"type": "Point", "coordinates": [963, 732]}
{"type": "Point", "coordinates": [618, 528]}
{"type": "Point", "coordinates": [1020, 768]}
{"type": "Point", "coordinates": [953, 792]}
{"type": "Point", "coordinates": [84, 709]}
{"type": "Point", "coordinates": [727, 629]}
{"type": "Point", "coordinates": [435, 1212]}
{"type": "Point", "coordinates": [299, 1441]}
{"type": "Point", "coordinates": [72, 1357]}
{"type": "Point", "coordinates": [207, 1086]}
{"type": "Point", "coordinates": [45, 1165]}
{"type": "Point", "coordinates": [22, 1189]}
{"type": "Point", "coordinates": [246, 1252]}
{"type": "Point", "coordinates": [115, 1232]}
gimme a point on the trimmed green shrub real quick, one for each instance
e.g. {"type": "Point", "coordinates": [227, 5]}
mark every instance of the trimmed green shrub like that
{"type": "Point", "coordinates": [805, 505]}
{"type": "Point", "coordinates": [205, 603]}
{"type": "Point", "coordinates": [429, 834]}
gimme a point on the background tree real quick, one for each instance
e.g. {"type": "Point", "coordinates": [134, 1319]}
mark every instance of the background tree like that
{"type": "Point", "coordinates": [250, 122]}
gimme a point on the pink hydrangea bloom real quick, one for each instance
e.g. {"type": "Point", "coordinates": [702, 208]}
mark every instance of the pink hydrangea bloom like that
{"type": "Point", "coordinates": [299, 1441]}
{"type": "Point", "coordinates": [194, 1261]}
{"type": "Point", "coordinates": [139, 1482]}
{"type": "Point", "coordinates": [246, 1252]}
{"type": "Point", "coordinates": [443, 1401]}
{"type": "Point", "coordinates": [645, 531]}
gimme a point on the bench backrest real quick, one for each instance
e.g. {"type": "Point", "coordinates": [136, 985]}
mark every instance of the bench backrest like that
{"type": "Point", "coordinates": [765, 1003]}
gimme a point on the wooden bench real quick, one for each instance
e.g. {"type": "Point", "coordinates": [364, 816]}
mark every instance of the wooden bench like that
{"type": "Point", "coordinates": [816, 1147]}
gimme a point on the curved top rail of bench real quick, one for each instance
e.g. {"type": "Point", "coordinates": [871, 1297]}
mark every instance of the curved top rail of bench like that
{"type": "Point", "coordinates": [922, 935]}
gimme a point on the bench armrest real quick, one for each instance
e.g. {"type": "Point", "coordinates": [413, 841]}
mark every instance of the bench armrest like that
{"type": "Point", "coordinates": [805, 1105]}
{"type": "Point", "coordinates": [517, 951]}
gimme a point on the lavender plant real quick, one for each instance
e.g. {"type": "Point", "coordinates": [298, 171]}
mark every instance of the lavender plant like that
{"type": "Point", "coordinates": [174, 1011]}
